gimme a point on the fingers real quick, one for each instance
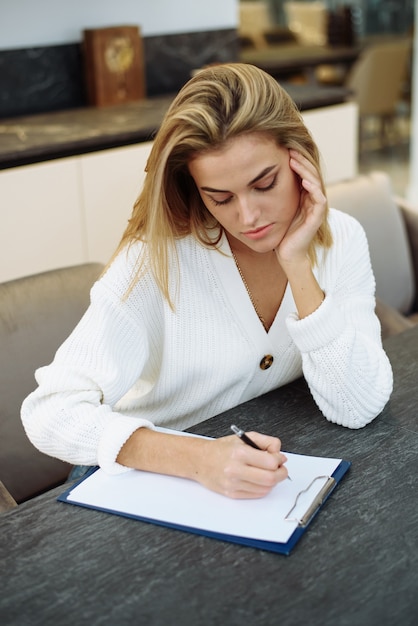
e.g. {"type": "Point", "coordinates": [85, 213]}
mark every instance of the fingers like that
{"type": "Point", "coordinates": [253, 473]}
{"type": "Point", "coordinates": [254, 482]}
{"type": "Point", "coordinates": [304, 168]}
{"type": "Point", "coordinates": [237, 470]}
{"type": "Point", "coordinates": [308, 173]}
{"type": "Point", "coordinates": [265, 442]}
{"type": "Point", "coordinates": [310, 181]}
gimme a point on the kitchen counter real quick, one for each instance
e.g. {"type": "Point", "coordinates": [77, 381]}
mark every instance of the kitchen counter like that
{"type": "Point", "coordinates": [47, 136]}
{"type": "Point", "coordinates": [43, 137]}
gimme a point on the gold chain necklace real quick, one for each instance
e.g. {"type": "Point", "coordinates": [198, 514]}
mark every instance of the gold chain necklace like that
{"type": "Point", "coordinates": [260, 317]}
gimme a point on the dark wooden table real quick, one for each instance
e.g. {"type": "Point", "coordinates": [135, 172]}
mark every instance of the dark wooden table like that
{"type": "Point", "coordinates": [356, 565]}
{"type": "Point", "coordinates": [284, 59]}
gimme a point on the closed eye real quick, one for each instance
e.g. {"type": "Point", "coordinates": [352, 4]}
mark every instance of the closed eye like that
{"type": "Point", "coordinates": [221, 202]}
{"type": "Point", "coordinates": [269, 185]}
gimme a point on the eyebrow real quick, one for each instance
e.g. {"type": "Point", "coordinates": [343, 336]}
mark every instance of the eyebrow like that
{"type": "Point", "coordinates": [259, 176]}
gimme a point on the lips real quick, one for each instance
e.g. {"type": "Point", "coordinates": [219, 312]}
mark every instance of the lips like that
{"type": "Point", "coordinates": [258, 233]}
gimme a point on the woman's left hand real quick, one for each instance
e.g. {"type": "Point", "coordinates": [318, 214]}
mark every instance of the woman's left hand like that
{"type": "Point", "coordinates": [309, 216]}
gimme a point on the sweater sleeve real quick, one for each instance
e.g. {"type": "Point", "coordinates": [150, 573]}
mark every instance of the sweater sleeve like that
{"type": "Point", "coordinates": [345, 366]}
{"type": "Point", "coordinates": [72, 415]}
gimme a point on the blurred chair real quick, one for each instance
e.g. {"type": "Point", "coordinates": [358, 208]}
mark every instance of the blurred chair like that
{"type": "Point", "coordinates": [36, 314]}
{"type": "Point", "coordinates": [377, 81]}
{"type": "Point", "coordinates": [391, 227]}
{"type": "Point", "coordinates": [308, 21]}
{"type": "Point", "coordinates": [254, 22]}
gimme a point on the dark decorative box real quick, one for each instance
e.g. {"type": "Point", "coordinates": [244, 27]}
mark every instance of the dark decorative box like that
{"type": "Point", "coordinates": [114, 65]}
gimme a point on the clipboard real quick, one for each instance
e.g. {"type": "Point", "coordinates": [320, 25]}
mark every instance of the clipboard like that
{"type": "Point", "coordinates": [274, 523]}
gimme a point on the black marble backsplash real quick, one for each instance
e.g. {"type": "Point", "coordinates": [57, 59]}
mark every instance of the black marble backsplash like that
{"type": "Point", "coordinates": [51, 78]}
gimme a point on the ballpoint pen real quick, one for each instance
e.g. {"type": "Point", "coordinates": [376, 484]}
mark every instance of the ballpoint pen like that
{"type": "Point", "coordinates": [246, 439]}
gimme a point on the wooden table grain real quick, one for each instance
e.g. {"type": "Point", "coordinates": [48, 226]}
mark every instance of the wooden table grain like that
{"type": "Point", "coordinates": [356, 565]}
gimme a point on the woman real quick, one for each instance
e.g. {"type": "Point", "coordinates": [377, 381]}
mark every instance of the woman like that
{"type": "Point", "coordinates": [231, 279]}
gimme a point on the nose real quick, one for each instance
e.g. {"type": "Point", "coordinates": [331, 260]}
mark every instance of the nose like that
{"type": "Point", "coordinates": [248, 211]}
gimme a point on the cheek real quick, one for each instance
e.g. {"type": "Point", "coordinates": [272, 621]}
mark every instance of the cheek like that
{"type": "Point", "coordinates": [288, 199]}
{"type": "Point", "coordinates": [218, 213]}
{"type": "Point", "coordinates": [213, 210]}
{"type": "Point", "coordinates": [294, 194]}
{"type": "Point", "coordinates": [297, 199]}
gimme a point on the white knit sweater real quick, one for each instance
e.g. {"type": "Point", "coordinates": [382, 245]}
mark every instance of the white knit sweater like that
{"type": "Point", "coordinates": [136, 362]}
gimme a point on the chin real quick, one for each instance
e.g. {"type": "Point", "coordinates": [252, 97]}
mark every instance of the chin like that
{"type": "Point", "coordinates": [262, 247]}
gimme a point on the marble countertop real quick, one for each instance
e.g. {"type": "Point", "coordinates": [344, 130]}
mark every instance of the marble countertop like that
{"type": "Point", "coordinates": [42, 137]}
{"type": "Point", "coordinates": [46, 136]}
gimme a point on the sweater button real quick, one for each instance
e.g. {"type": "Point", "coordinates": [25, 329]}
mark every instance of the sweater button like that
{"type": "Point", "coordinates": [266, 362]}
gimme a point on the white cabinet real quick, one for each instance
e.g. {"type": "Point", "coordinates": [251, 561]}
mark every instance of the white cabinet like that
{"type": "Point", "coordinates": [110, 183]}
{"type": "Point", "coordinates": [335, 130]}
{"type": "Point", "coordinates": [41, 221]}
{"type": "Point", "coordinates": [68, 211]}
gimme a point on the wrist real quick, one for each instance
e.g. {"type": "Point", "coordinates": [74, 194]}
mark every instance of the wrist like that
{"type": "Point", "coordinates": [164, 453]}
{"type": "Point", "coordinates": [307, 293]}
{"type": "Point", "coordinates": [296, 267]}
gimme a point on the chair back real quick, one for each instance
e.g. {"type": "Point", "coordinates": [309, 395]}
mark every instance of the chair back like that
{"type": "Point", "coordinates": [308, 21]}
{"type": "Point", "coordinates": [254, 21]}
{"type": "Point", "coordinates": [377, 78]}
{"type": "Point", "coordinates": [369, 198]}
{"type": "Point", "coordinates": [36, 314]}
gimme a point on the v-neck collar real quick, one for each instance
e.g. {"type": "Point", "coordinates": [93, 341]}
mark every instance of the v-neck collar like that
{"type": "Point", "coordinates": [241, 304]}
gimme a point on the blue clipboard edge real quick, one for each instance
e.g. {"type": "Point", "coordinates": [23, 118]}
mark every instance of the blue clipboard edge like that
{"type": "Point", "coordinates": [271, 546]}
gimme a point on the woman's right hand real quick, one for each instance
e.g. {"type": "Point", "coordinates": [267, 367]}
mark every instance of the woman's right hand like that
{"type": "Point", "coordinates": [234, 469]}
{"type": "Point", "coordinates": [226, 465]}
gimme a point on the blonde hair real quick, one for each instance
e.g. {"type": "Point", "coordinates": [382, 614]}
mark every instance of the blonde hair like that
{"type": "Point", "coordinates": [216, 105]}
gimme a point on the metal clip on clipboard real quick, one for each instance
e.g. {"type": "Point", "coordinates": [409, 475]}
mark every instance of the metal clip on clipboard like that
{"type": "Point", "coordinates": [308, 514]}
